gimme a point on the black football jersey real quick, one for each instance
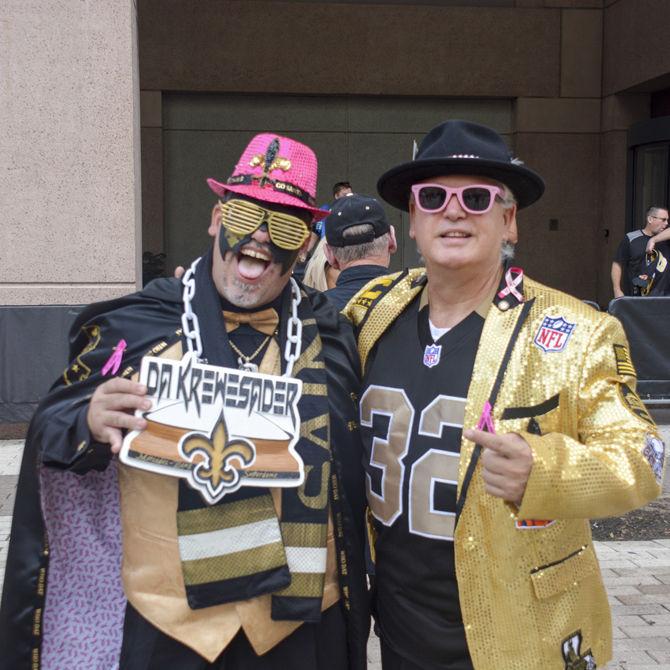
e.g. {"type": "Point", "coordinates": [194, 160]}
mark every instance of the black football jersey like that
{"type": "Point", "coordinates": [412, 409]}
{"type": "Point", "coordinates": [631, 255]}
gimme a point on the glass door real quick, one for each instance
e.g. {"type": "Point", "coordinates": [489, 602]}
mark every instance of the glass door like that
{"type": "Point", "coordinates": [651, 179]}
{"type": "Point", "coordinates": [648, 179]}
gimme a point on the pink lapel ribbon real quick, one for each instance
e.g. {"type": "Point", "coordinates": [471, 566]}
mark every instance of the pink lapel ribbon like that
{"type": "Point", "coordinates": [114, 363]}
{"type": "Point", "coordinates": [485, 420]}
{"type": "Point", "coordinates": [512, 282]}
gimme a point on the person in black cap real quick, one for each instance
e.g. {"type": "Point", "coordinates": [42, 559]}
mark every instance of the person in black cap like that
{"type": "Point", "coordinates": [359, 243]}
{"type": "Point", "coordinates": [498, 416]}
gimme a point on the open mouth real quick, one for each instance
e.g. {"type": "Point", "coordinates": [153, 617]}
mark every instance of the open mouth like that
{"type": "Point", "coordinates": [252, 262]}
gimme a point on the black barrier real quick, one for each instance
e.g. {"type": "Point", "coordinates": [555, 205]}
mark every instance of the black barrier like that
{"type": "Point", "coordinates": [33, 352]}
{"type": "Point", "coordinates": [647, 325]}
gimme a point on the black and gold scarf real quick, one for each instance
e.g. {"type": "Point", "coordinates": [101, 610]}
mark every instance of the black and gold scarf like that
{"type": "Point", "coordinates": [238, 549]}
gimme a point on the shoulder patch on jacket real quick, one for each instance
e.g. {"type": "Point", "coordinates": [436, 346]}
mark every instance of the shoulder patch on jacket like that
{"type": "Point", "coordinates": [553, 334]}
{"type": "Point", "coordinates": [358, 308]}
{"type": "Point", "coordinates": [654, 452]}
{"type": "Point", "coordinates": [78, 371]}
{"type": "Point", "coordinates": [372, 291]}
{"type": "Point", "coordinates": [634, 405]}
{"type": "Point", "coordinates": [624, 363]}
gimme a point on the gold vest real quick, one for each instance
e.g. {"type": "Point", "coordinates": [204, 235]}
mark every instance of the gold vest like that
{"type": "Point", "coordinates": [151, 570]}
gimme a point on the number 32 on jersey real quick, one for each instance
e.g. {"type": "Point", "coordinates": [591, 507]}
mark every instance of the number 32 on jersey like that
{"type": "Point", "coordinates": [431, 468]}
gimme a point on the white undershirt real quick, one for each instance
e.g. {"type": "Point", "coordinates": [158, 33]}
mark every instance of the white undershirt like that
{"type": "Point", "coordinates": [436, 332]}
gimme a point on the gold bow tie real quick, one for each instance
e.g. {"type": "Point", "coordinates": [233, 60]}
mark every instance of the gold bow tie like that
{"type": "Point", "coordinates": [265, 321]}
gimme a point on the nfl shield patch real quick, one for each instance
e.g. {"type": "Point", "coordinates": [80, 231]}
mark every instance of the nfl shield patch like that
{"type": "Point", "coordinates": [431, 355]}
{"type": "Point", "coordinates": [553, 334]}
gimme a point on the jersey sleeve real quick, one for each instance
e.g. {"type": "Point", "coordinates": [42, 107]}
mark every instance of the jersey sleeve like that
{"type": "Point", "coordinates": [615, 461]}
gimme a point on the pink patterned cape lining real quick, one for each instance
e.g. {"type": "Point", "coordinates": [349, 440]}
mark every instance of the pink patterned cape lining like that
{"type": "Point", "coordinates": [82, 624]}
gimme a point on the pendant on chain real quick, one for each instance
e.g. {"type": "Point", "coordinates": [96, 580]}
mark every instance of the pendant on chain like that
{"type": "Point", "coordinates": [244, 362]}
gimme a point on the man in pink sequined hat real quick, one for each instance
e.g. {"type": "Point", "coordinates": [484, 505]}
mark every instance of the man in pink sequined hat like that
{"type": "Point", "coordinates": [144, 570]}
{"type": "Point", "coordinates": [281, 174]}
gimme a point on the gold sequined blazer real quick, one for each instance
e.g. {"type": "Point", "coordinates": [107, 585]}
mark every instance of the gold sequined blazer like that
{"type": "Point", "coordinates": [530, 587]}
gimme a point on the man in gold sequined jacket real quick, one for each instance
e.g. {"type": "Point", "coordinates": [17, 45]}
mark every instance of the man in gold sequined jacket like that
{"type": "Point", "coordinates": [115, 564]}
{"type": "Point", "coordinates": [498, 415]}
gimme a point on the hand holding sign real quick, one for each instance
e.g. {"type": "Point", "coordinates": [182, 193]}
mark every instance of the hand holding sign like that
{"type": "Point", "coordinates": [111, 410]}
{"type": "Point", "coordinates": [507, 461]}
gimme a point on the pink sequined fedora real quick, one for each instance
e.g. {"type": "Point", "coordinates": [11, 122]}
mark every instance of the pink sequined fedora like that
{"type": "Point", "coordinates": [275, 169]}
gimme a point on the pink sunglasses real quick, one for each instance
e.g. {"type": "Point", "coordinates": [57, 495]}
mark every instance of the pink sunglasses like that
{"type": "Point", "coordinates": [473, 198]}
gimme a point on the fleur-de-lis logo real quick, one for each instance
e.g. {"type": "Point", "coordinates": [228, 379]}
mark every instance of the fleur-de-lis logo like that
{"type": "Point", "coordinates": [79, 371]}
{"type": "Point", "coordinates": [271, 161]}
{"type": "Point", "coordinates": [219, 461]}
{"type": "Point", "coordinates": [574, 659]}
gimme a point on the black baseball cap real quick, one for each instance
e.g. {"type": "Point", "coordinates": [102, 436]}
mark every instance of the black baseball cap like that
{"type": "Point", "coordinates": [354, 210]}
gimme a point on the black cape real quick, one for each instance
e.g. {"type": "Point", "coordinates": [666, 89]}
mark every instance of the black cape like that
{"type": "Point", "coordinates": [58, 440]}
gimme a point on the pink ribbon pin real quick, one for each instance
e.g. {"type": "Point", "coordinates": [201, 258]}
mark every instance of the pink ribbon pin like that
{"type": "Point", "coordinates": [513, 278]}
{"type": "Point", "coordinates": [114, 363]}
{"type": "Point", "coordinates": [485, 420]}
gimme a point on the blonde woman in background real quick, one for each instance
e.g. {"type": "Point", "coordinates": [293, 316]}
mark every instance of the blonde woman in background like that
{"type": "Point", "coordinates": [318, 273]}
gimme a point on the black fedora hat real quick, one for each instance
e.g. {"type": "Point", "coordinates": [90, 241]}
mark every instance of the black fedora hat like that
{"type": "Point", "coordinates": [463, 148]}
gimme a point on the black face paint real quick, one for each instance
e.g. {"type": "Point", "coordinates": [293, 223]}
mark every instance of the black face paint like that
{"type": "Point", "coordinates": [284, 256]}
{"type": "Point", "coordinates": [228, 241]}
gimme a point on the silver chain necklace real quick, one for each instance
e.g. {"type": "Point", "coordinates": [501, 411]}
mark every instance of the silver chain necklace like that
{"type": "Point", "coordinates": [191, 327]}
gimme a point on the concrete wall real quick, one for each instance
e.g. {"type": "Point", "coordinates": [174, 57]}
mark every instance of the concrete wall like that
{"type": "Point", "coordinates": [69, 151]}
{"type": "Point", "coordinates": [636, 54]}
{"type": "Point", "coordinates": [543, 55]}
{"type": "Point", "coordinates": [335, 49]}
{"type": "Point", "coordinates": [559, 137]}
{"type": "Point", "coordinates": [577, 73]}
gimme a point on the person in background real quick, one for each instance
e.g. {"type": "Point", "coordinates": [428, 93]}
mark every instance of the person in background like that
{"type": "Point", "coordinates": [640, 266]}
{"type": "Point", "coordinates": [319, 273]}
{"type": "Point", "coordinates": [341, 189]}
{"type": "Point", "coordinates": [359, 243]}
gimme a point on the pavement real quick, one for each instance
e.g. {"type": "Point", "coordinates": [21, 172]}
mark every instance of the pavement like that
{"type": "Point", "coordinates": [636, 575]}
